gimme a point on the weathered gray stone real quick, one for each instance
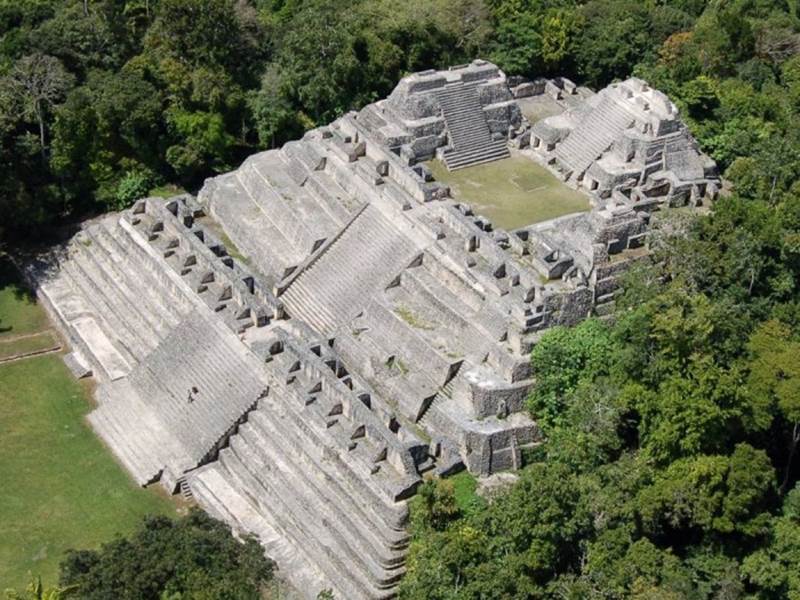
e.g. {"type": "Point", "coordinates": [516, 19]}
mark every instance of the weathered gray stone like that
{"type": "Point", "coordinates": [379, 328]}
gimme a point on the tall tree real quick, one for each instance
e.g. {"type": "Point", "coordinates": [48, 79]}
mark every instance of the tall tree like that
{"type": "Point", "coordinates": [36, 83]}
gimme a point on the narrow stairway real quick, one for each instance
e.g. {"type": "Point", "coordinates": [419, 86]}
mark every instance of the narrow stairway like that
{"type": "Point", "coordinates": [469, 133]}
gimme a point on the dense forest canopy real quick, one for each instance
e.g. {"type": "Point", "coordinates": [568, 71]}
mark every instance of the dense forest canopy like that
{"type": "Point", "coordinates": [102, 100]}
{"type": "Point", "coordinates": [671, 463]}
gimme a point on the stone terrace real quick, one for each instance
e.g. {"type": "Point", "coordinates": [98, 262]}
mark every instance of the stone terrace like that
{"type": "Point", "coordinates": [381, 330]}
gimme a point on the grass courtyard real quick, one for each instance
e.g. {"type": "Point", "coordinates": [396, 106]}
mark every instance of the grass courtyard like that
{"type": "Point", "coordinates": [60, 487]}
{"type": "Point", "coordinates": [513, 192]}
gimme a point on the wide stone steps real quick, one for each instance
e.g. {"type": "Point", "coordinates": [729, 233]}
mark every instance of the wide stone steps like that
{"type": "Point", "coordinates": [197, 383]}
{"type": "Point", "coordinates": [123, 302]}
{"type": "Point", "coordinates": [593, 135]}
{"type": "Point", "coordinates": [295, 522]}
{"type": "Point", "coordinates": [303, 302]}
{"type": "Point", "coordinates": [135, 433]}
{"type": "Point", "coordinates": [197, 427]}
{"type": "Point", "coordinates": [135, 452]}
{"type": "Point", "coordinates": [225, 389]}
{"type": "Point", "coordinates": [342, 280]}
{"type": "Point", "coordinates": [382, 520]}
{"type": "Point", "coordinates": [133, 286]}
{"type": "Point", "coordinates": [120, 247]}
{"type": "Point", "coordinates": [470, 137]}
{"type": "Point", "coordinates": [215, 492]}
{"type": "Point", "coordinates": [124, 335]}
{"type": "Point", "coordinates": [366, 550]}
{"type": "Point", "coordinates": [97, 266]}
{"type": "Point", "coordinates": [121, 340]}
{"type": "Point", "coordinates": [496, 150]}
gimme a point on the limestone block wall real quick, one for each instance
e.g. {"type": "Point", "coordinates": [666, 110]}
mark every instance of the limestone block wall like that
{"type": "Point", "coordinates": [415, 107]}
{"type": "Point", "coordinates": [500, 450]}
{"type": "Point", "coordinates": [380, 330]}
{"type": "Point", "coordinates": [628, 136]}
{"type": "Point", "coordinates": [492, 398]}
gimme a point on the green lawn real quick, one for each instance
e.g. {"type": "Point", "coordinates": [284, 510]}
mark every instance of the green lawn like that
{"type": "Point", "coordinates": [167, 191]}
{"type": "Point", "coordinates": [513, 192]}
{"type": "Point", "coordinates": [19, 314]}
{"type": "Point", "coordinates": [60, 487]}
{"type": "Point", "coordinates": [14, 346]}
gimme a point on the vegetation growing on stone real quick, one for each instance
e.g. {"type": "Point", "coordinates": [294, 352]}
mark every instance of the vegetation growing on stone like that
{"type": "Point", "coordinates": [670, 467]}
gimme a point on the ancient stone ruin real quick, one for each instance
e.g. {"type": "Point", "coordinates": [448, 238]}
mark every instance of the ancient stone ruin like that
{"type": "Point", "coordinates": [627, 141]}
{"type": "Point", "coordinates": [378, 330]}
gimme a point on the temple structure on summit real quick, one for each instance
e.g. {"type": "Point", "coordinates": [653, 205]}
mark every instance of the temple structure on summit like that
{"type": "Point", "coordinates": [318, 330]}
{"type": "Point", "coordinates": [627, 140]}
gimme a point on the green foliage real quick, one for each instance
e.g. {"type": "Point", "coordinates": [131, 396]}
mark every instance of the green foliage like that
{"type": "Point", "coordinates": [437, 504]}
{"type": "Point", "coordinates": [773, 568]}
{"type": "Point", "coordinates": [560, 360]}
{"type": "Point", "coordinates": [134, 185]}
{"type": "Point", "coordinates": [36, 591]}
{"type": "Point", "coordinates": [700, 96]}
{"type": "Point", "coordinates": [203, 143]}
{"type": "Point", "coordinates": [672, 430]}
{"type": "Point", "coordinates": [775, 369]}
{"type": "Point", "coordinates": [715, 494]}
{"type": "Point", "coordinates": [191, 557]}
{"type": "Point", "coordinates": [536, 40]}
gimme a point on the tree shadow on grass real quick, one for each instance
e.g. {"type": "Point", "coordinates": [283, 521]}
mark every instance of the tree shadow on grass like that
{"type": "Point", "coordinates": [10, 278]}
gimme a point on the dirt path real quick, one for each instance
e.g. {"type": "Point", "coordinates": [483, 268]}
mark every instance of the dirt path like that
{"type": "Point", "coordinates": [23, 336]}
{"type": "Point", "coordinates": [32, 354]}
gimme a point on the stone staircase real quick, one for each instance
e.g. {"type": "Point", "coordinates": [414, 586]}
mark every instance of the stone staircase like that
{"type": "Point", "coordinates": [185, 488]}
{"type": "Point", "coordinates": [469, 133]}
{"type": "Point", "coordinates": [220, 498]}
{"type": "Point", "coordinates": [140, 448]}
{"type": "Point", "coordinates": [199, 382]}
{"type": "Point", "coordinates": [445, 392]}
{"type": "Point", "coordinates": [593, 135]}
{"type": "Point", "coordinates": [351, 270]}
{"type": "Point", "coordinates": [303, 471]}
{"type": "Point", "coordinates": [178, 403]}
{"type": "Point", "coordinates": [133, 309]}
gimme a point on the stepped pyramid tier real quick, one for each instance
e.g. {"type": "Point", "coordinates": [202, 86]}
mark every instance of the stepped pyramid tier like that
{"type": "Point", "coordinates": [463, 115]}
{"type": "Point", "coordinates": [627, 141]}
{"type": "Point", "coordinates": [300, 344]}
